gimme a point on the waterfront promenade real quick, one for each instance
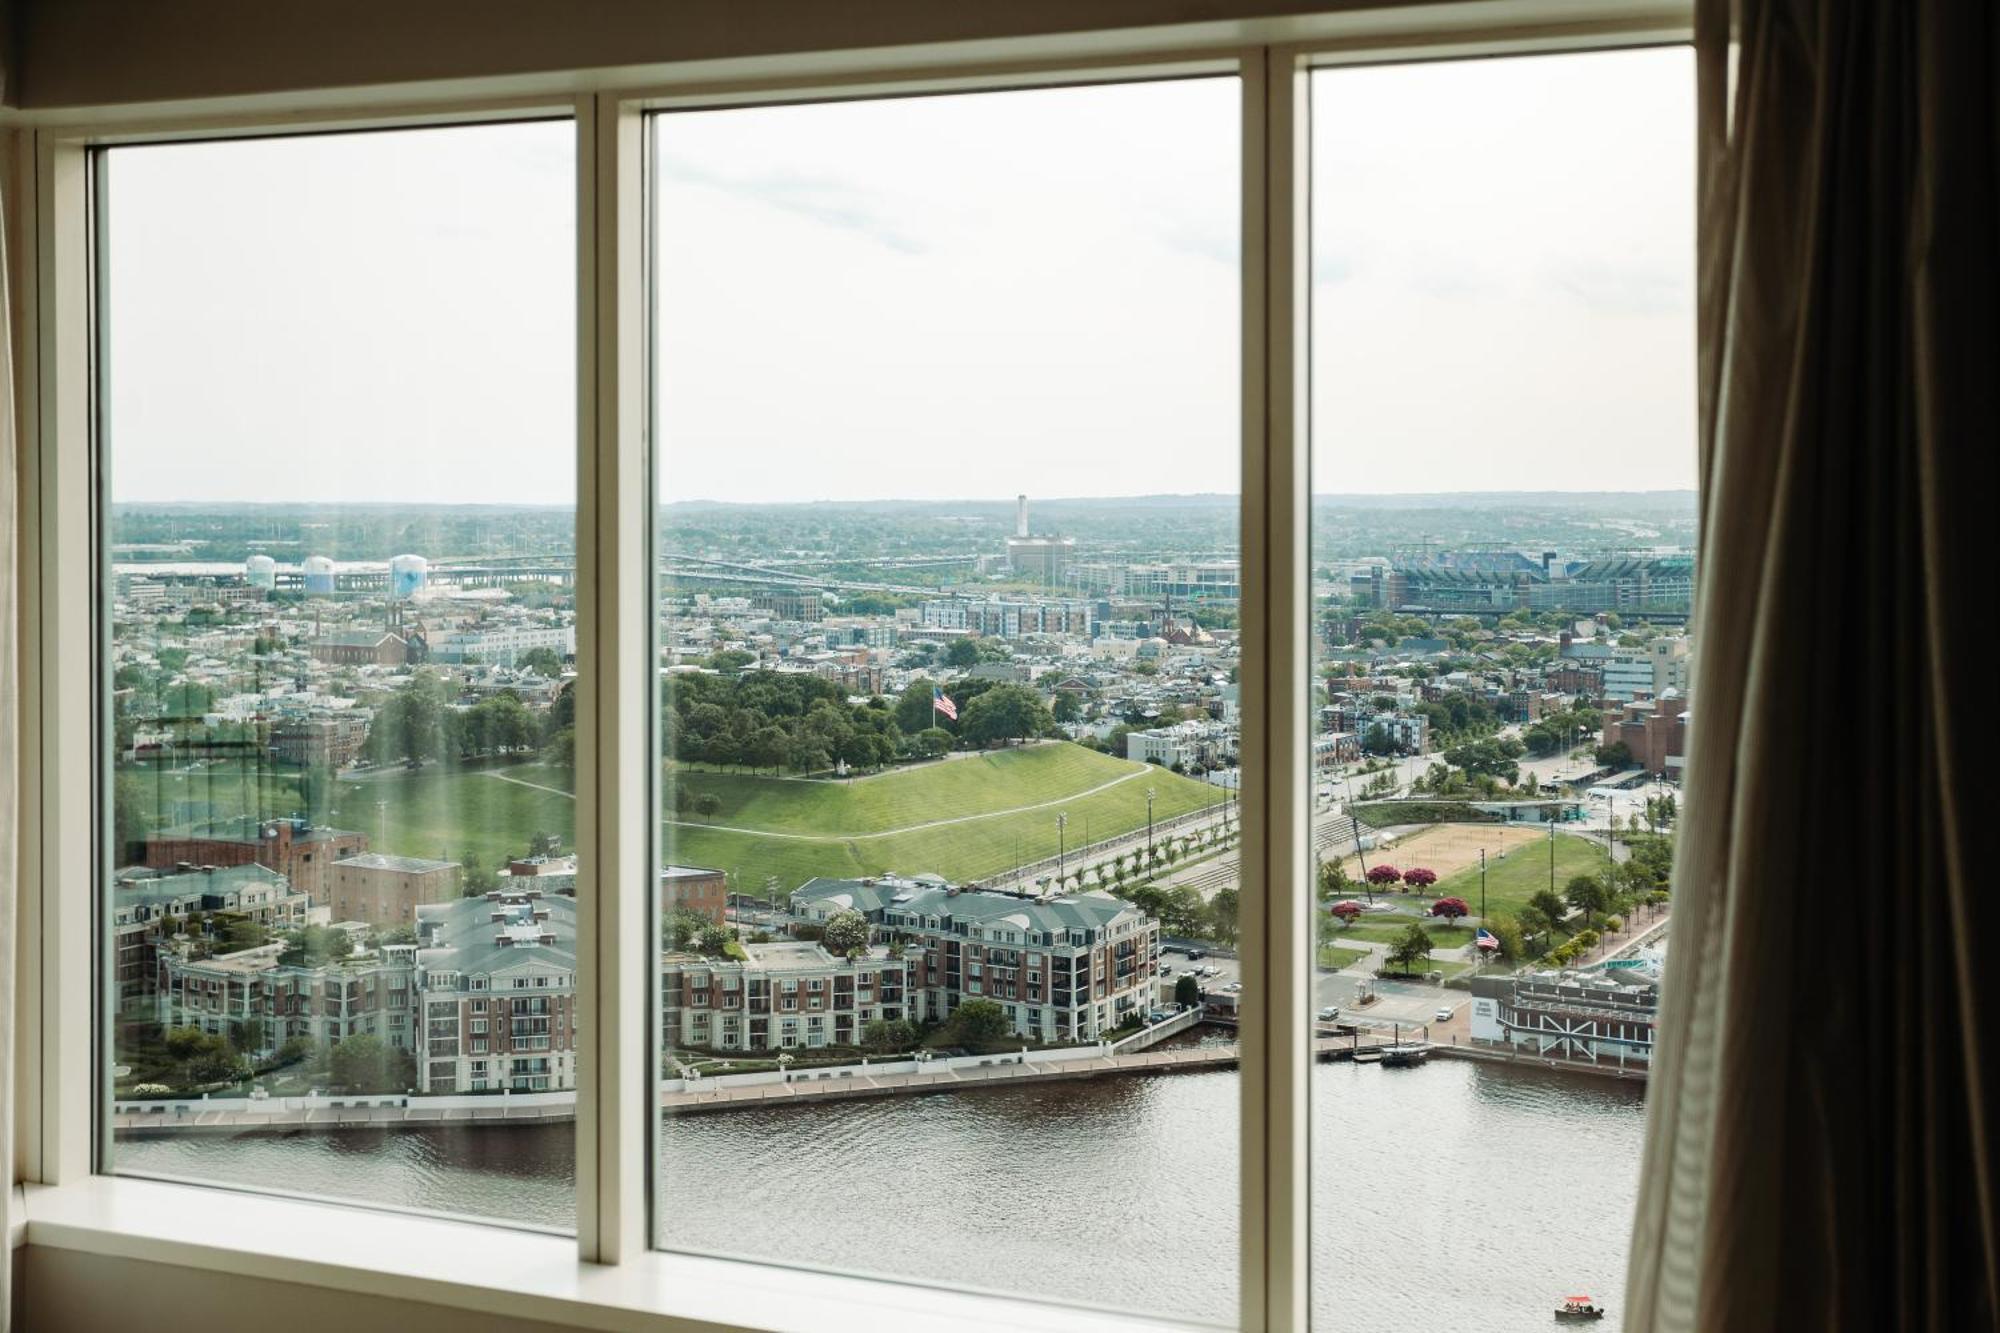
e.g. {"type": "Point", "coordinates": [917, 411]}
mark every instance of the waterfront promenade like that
{"type": "Point", "coordinates": [847, 1082]}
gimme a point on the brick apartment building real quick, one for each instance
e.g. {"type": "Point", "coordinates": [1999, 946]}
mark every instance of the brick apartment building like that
{"type": "Point", "coordinates": [1062, 968]}
{"type": "Point", "coordinates": [695, 889]}
{"type": "Point", "coordinates": [331, 740]}
{"type": "Point", "coordinates": [144, 902]}
{"type": "Point", "coordinates": [1654, 730]}
{"type": "Point", "coordinates": [780, 995]}
{"type": "Point", "coordinates": [292, 848]}
{"type": "Point", "coordinates": [251, 992]}
{"type": "Point", "coordinates": [496, 978]}
{"type": "Point", "coordinates": [386, 890]}
{"type": "Point", "coordinates": [484, 1000]}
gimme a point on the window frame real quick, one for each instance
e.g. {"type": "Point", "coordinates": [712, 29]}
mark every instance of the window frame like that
{"type": "Point", "coordinates": [612, 1274]}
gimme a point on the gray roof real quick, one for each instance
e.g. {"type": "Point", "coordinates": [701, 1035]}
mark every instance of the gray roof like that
{"type": "Point", "coordinates": [1081, 911]}
{"type": "Point", "coordinates": [462, 936]}
{"type": "Point", "coordinates": [407, 865]}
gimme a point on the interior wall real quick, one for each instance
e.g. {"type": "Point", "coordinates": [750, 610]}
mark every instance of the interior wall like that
{"type": "Point", "coordinates": [65, 1291]}
{"type": "Point", "coordinates": [77, 53]}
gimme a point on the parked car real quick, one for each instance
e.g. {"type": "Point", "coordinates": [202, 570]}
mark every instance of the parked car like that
{"type": "Point", "coordinates": [1166, 969]}
{"type": "Point", "coordinates": [1328, 1014]}
{"type": "Point", "coordinates": [1194, 954]}
{"type": "Point", "coordinates": [1443, 1015]}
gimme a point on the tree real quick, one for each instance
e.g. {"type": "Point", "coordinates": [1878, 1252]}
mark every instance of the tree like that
{"type": "Point", "coordinates": [1507, 930]}
{"type": "Point", "coordinates": [1384, 875]}
{"type": "Point", "coordinates": [1551, 906]}
{"type": "Point", "coordinates": [476, 878]}
{"type": "Point", "coordinates": [1224, 914]}
{"type": "Point", "coordinates": [1005, 713]}
{"type": "Point", "coordinates": [410, 725]}
{"type": "Point", "coordinates": [1588, 894]}
{"type": "Point", "coordinates": [541, 843]}
{"type": "Point", "coordinates": [1334, 881]}
{"type": "Point", "coordinates": [1378, 741]}
{"type": "Point", "coordinates": [1413, 946]}
{"type": "Point", "coordinates": [846, 931]}
{"type": "Point", "coordinates": [541, 661]}
{"type": "Point", "coordinates": [1187, 992]}
{"type": "Point", "coordinates": [1451, 909]}
{"type": "Point", "coordinates": [1615, 755]}
{"type": "Point", "coordinates": [884, 1035]}
{"type": "Point", "coordinates": [978, 1024]}
{"type": "Point", "coordinates": [1068, 708]}
{"type": "Point", "coordinates": [363, 1064]}
{"type": "Point", "coordinates": [708, 805]}
{"type": "Point", "coordinates": [1420, 878]}
{"type": "Point", "coordinates": [963, 654]}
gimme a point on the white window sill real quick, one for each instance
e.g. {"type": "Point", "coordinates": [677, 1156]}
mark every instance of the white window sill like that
{"type": "Point", "coordinates": [496, 1270]}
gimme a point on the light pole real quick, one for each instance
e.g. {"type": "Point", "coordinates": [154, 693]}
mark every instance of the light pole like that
{"type": "Point", "coordinates": [1149, 826]}
{"type": "Point", "coordinates": [1062, 823]}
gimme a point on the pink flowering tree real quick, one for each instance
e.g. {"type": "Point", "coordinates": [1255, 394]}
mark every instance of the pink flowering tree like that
{"type": "Point", "coordinates": [1451, 909]}
{"type": "Point", "coordinates": [1419, 878]}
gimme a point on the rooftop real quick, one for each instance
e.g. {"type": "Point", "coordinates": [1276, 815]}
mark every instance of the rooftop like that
{"type": "Point", "coordinates": [405, 865]}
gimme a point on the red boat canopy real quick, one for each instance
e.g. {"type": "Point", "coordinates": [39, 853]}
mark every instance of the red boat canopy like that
{"type": "Point", "coordinates": [1581, 1300]}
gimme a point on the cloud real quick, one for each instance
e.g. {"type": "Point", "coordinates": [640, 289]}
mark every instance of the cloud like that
{"type": "Point", "coordinates": [823, 199]}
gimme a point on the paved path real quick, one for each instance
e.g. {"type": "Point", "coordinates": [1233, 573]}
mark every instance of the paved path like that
{"type": "Point", "coordinates": [856, 837]}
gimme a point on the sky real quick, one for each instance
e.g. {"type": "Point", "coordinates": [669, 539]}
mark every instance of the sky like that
{"type": "Point", "coordinates": [927, 298]}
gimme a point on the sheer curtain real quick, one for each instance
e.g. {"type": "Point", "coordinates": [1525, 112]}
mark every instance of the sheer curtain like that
{"type": "Point", "coordinates": [10, 786]}
{"type": "Point", "coordinates": [1821, 1140]}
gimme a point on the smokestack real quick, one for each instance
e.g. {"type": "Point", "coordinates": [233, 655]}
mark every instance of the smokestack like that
{"type": "Point", "coordinates": [1020, 516]}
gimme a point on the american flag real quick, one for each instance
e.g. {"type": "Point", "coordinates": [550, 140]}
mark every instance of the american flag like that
{"type": "Point", "coordinates": [1486, 939]}
{"type": "Point", "coordinates": [941, 702]}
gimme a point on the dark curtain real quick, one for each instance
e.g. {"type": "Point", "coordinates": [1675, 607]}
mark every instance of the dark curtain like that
{"type": "Point", "coordinates": [1821, 1141]}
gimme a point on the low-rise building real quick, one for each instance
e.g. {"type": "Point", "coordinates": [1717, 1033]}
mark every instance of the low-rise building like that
{"type": "Point", "coordinates": [696, 889]}
{"type": "Point", "coordinates": [323, 740]}
{"type": "Point", "coordinates": [789, 994]}
{"type": "Point", "coordinates": [1654, 730]}
{"type": "Point", "coordinates": [496, 981]}
{"type": "Point", "coordinates": [1070, 968]}
{"type": "Point", "coordinates": [387, 890]}
{"type": "Point", "coordinates": [296, 849]}
{"type": "Point", "coordinates": [1593, 1015]}
{"type": "Point", "coordinates": [145, 904]}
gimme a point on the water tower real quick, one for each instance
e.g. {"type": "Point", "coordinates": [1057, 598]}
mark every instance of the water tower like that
{"type": "Point", "coordinates": [407, 576]}
{"type": "Point", "coordinates": [261, 571]}
{"type": "Point", "coordinates": [319, 576]}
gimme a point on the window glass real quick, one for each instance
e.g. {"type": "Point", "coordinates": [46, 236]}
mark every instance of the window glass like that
{"type": "Point", "coordinates": [948, 452]}
{"type": "Point", "coordinates": [1503, 537]}
{"type": "Point", "coordinates": [338, 424]}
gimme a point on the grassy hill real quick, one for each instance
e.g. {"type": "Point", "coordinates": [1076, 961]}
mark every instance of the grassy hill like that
{"type": "Point", "coordinates": [1006, 803]}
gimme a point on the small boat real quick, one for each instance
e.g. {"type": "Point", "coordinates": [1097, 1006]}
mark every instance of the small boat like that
{"type": "Point", "coordinates": [1577, 1310]}
{"type": "Point", "coordinates": [1402, 1057]}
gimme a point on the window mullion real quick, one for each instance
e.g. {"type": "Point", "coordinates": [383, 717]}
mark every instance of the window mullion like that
{"type": "Point", "coordinates": [1276, 941]}
{"type": "Point", "coordinates": [614, 694]}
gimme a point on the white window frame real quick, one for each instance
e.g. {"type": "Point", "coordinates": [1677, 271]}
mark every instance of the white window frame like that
{"type": "Point", "coordinates": [492, 1267]}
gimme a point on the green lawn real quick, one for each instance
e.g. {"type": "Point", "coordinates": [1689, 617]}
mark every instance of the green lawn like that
{"type": "Point", "coordinates": [1386, 930]}
{"type": "Point", "coordinates": [1512, 878]}
{"type": "Point", "coordinates": [846, 825]}
{"type": "Point", "coordinates": [970, 785]}
{"type": "Point", "coordinates": [1336, 957]}
{"type": "Point", "coordinates": [842, 828]}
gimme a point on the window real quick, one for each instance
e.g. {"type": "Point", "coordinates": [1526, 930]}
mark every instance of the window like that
{"type": "Point", "coordinates": [338, 422]}
{"type": "Point", "coordinates": [948, 447]}
{"type": "Point", "coordinates": [1503, 254]}
{"type": "Point", "coordinates": [873, 325]}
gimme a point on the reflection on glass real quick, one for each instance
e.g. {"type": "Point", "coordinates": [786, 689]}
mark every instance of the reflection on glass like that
{"type": "Point", "coordinates": [1503, 543]}
{"type": "Point", "coordinates": [339, 396]}
{"type": "Point", "coordinates": [949, 579]}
